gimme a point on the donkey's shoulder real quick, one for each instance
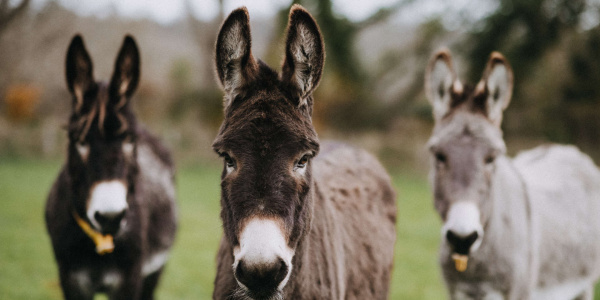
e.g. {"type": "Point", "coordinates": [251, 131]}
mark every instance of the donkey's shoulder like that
{"type": "Point", "coordinates": [341, 158]}
{"type": "Point", "coordinates": [557, 167]}
{"type": "Point", "coordinates": [353, 173]}
{"type": "Point", "coordinates": [149, 142]}
{"type": "Point", "coordinates": [156, 187]}
{"type": "Point", "coordinates": [156, 168]}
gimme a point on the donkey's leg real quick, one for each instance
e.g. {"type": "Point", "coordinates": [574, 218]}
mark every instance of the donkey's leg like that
{"type": "Point", "coordinates": [76, 285]}
{"type": "Point", "coordinates": [131, 287]}
{"type": "Point", "coordinates": [588, 294]}
{"type": "Point", "coordinates": [149, 285]}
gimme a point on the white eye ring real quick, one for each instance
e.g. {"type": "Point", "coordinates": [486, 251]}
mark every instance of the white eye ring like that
{"type": "Point", "coordinates": [83, 149]}
{"type": "Point", "coordinates": [300, 165]}
{"type": "Point", "coordinates": [229, 169]}
{"type": "Point", "coordinates": [229, 163]}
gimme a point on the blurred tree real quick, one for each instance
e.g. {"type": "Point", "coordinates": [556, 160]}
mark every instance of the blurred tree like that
{"type": "Point", "coordinates": [340, 34]}
{"type": "Point", "coordinates": [180, 83]}
{"type": "Point", "coordinates": [345, 100]}
{"type": "Point", "coordinates": [211, 97]}
{"type": "Point", "coordinates": [415, 56]}
{"type": "Point", "coordinates": [556, 65]}
{"type": "Point", "coordinates": [523, 30]}
{"type": "Point", "coordinates": [9, 13]}
{"type": "Point", "coordinates": [205, 34]}
{"type": "Point", "coordinates": [21, 101]}
{"type": "Point", "coordinates": [26, 30]}
{"type": "Point", "coordinates": [579, 104]}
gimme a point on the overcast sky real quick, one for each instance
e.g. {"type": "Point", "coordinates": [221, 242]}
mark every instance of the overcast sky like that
{"type": "Point", "coordinates": [168, 11]}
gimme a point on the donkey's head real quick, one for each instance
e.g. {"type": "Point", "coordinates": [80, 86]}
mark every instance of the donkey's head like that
{"type": "Point", "coordinates": [465, 143]}
{"type": "Point", "coordinates": [102, 136]}
{"type": "Point", "coordinates": [267, 141]}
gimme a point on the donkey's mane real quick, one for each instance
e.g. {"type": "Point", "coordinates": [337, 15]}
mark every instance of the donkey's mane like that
{"type": "Point", "coordinates": [97, 110]}
{"type": "Point", "coordinates": [468, 99]}
{"type": "Point", "coordinates": [265, 78]}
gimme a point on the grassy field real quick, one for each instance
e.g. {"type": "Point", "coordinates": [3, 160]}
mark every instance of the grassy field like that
{"type": "Point", "coordinates": [28, 270]}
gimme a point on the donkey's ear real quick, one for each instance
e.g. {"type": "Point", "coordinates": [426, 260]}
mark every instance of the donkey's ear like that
{"type": "Point", "coordinates": [495, 87]}
{"type": "Point", "coordinates": [304, 53]}
{"type": "Point", "coordinates": [126, 75]}
{"type": "Point", "coordinates": [78, 70]}
{"type": "Point", "coordinates": [235, 65]}
{"type": "Point", "coordinates": [441, 82]}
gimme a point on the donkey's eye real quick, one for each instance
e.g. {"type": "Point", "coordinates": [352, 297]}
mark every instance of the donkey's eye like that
{"type": "Point", "coordinates": [490, 159]}
{"type": "Point", "coordinates": [440, 158]}
{"type": "Point", "coordinates": [228, 160]}
{"type": "Point", "coordinates": [302, 162]}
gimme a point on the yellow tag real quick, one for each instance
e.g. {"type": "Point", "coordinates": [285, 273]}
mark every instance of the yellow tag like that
{"type": "Point", "coordinates": [104, 243]}
{"type": "Point", "coordinates": [460, 262]}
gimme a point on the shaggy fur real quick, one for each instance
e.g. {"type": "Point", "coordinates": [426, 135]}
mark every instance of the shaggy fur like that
{"type": "Point", "coordinates": [339, 215]}
{"type": "Point", "coordinates": [118, 149]}
{"type": "Point", "coordinates": [539, 212]}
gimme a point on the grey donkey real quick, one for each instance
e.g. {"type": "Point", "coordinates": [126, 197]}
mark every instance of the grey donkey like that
{"type": "Point", "coordinates": [522, 228]}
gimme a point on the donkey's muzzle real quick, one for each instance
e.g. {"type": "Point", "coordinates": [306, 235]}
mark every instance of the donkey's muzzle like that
{"type": "Point", "coordinates": [261, 280]}
{"type": "Point", "coordinates": [109, 222]}
{"type": "Point", "coordinates": [461, 244]}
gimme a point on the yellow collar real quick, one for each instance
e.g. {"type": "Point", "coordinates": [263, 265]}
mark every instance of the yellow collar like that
{"type": "Point", "coordinates": [104, 243]}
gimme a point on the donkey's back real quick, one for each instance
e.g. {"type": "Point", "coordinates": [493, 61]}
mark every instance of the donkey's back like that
{"type": "Point", "coordinates": [356, 193]}
{"type": "Point", "coordinates": [564, 187]}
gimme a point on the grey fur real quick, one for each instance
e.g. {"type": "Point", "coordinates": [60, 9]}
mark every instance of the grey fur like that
{"type": "Point", "coordinates": [337, 215]}
{"type": "Point", "coordinates": [539, 211]}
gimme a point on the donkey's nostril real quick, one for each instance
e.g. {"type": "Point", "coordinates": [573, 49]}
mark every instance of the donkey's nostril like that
{"type": "Point", "coordinates": [109, 222]}
{"type": "Point", "coordinates": [261, 279]}
{"type": "Point", "coordinates": [461, 244]}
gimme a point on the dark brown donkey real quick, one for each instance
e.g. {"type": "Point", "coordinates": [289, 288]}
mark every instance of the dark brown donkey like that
{"type": "Point", "coordinates": [297, 225]}
{"type": "Point", "coordinates": [111, 213]}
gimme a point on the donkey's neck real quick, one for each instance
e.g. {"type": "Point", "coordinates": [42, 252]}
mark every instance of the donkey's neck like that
{"type": "Point", "coordinates": [508, 230]}
{"type": "Point", "coordinates": [313, 260]}
{"type": "Point", "coordinates": [508, 194]}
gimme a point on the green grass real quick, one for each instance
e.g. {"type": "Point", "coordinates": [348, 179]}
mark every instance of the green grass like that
{"type": "Point", "coordinates": [416, 274]}
{"type": "Point", "coordinates": [28, 270]}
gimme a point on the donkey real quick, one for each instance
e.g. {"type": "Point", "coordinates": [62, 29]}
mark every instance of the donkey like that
{"type": "Point", "coordinates": [111, 213]}
{"type": "Point", "coordinates": [296, 225]}
{"type": "Point", "coordinates": [525, 228]}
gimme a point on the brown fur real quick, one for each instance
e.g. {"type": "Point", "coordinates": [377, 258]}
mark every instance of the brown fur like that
{"type": "Point", "coordinates": [339, 215]}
